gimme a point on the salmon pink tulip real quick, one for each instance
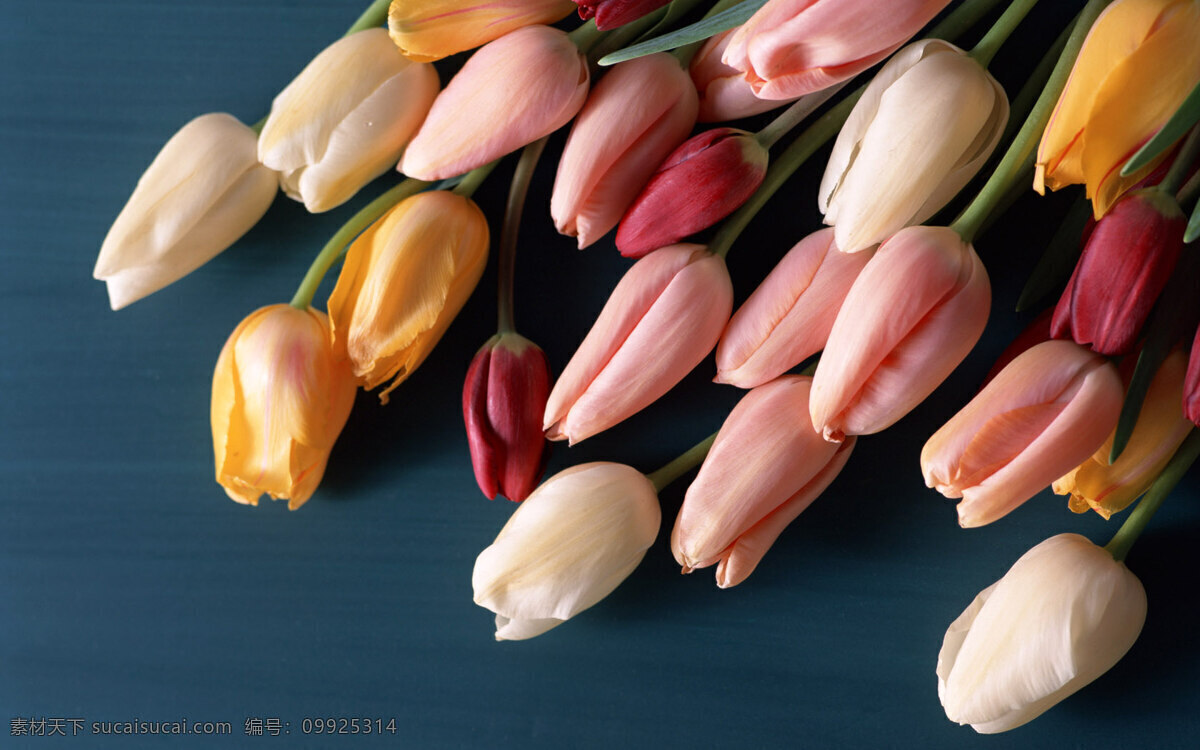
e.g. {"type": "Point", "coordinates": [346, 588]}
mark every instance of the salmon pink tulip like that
{"type": "Point", "coordinates": [725, 94]}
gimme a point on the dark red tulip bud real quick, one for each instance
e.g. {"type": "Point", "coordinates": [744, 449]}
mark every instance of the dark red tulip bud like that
{"type": "Point", "coordinates": [504, 397]}
{"type": "Point", "coordinates": [1124, 266]}
{"type": "Point", "coordinates": [701, 182]}
{"type": "Point", "coordinates": [610, 14]}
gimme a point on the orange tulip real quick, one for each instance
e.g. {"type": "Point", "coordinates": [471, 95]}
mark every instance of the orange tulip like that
{"type": "Point", "coordinates": [428, 30]}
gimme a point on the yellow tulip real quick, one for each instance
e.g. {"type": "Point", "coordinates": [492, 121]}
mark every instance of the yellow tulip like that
{"type": "Point", "coordinates": [1161, 427]}
{"type": "Point", "coordinates": [428, 30]}
{"type": "Point", "coordinates": [280, 398]}
{"type": "Point", "coordinates": [403, 281]}
{"type": "Point", "coordinates": [1137, 65]}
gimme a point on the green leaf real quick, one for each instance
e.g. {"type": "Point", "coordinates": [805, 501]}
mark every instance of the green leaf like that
{"type": "Point", "coordinates": [1193, 226]}
{"type": "Point", "coordinates": [1184, 118]}
{"type": "Point", "coordinates": [1057, 262]}
{"type": "Point", "coordinates": [698, 31]}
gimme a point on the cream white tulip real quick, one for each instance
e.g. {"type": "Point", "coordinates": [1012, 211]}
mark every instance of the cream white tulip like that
{"type": "Point", "coordinates": [924, 126]}
{"type": "Point", "coordinates": [1062, 616]}
{"type": "Point", "coordinates": [346, 118]}
{"type": "Point", "coordinates": [203, 191]}
{"type": "Point", "coordinates": [568, 545]}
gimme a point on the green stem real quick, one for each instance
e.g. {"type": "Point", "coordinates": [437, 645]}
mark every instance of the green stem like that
{"type": "Point", "coordinates": [342, 238]}
{"type": "Point", "coordinates": [793, 115]}
{"type": "Point", "coordinates": [688, 460]}
{"type": "Point", "coordinates": [1182, 164]}
{"type": "Point", "coordinates": [1000, 31]}
{"type": "Point", "coordinates": [508, 233]}
{"type": "Point", "coordinates": [1189, 191]}
{"type": "Point", "coordinates": [586, 35]}
{"type": "Point", "coordinates": [961, 18]}
{"type": "Point", "coordinates": [972, 219]}
{"type": "Point", "coordinates": [1123, 540]}
{"type": "Point", "coordinates": [258, 126]}
{"type": "Point", "coordinates": [374, 16]}
{"type": "Point", "coordinates": [473, 179]}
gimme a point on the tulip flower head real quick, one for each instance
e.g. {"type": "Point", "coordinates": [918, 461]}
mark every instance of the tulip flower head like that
{"type": "Point", "coordinates": [280, 397]}
{"type": "Point", "coordinates": [573, 541]}
{"type": "Point", "coordinates": [725, 94]}
{"type": "Point", "coordinates": [504, 397]}
{"type": "Point", "coordinates": [610, 14]}
{"type": "Point", "coordinates": [345, 119]}
{"type": "Point", "coordinates": [662, 319]}
{"type": "Point", "coordinates": [1138, 63]}
{"type": "Point", "coordinates": [1063, 615]}
{"type": "Point", "coordinates": [510, 92]}
{"type": "Point", "coordinates": [1040, 417]}
{"type": "Point", "coordinates": [924, 126]}
{"type": "Point", "coordinates": [428, 30]}
{"type": "Point", "coordinates": [203, 191]}
{"type": "Point", "coordinates": [909, 319]}
{"type": "Point", "coordinates": [766, 466]}
{"type": "Point", "coordinates": [1191, 383]}
{"type": "Point", "coordinates": [403, 282]}
{"type": "Point", "coordinates": [789, 48]}
{"type": "Point", "coordinates": [636, 116]}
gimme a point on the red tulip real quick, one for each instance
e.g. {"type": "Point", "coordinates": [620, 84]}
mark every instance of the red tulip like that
{"type": "Point", "coordinates": [610, 14]}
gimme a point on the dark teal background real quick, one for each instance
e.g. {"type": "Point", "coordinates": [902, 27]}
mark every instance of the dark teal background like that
{"type": "Point", "coordinates": [132, 588]}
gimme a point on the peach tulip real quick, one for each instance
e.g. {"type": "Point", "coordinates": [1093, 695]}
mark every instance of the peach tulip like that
{"type": "Point", "coordinates": [1040, 417]}
{"type": "Point", "coordinates": [911, 316]}
{"type": "Point", "coordinates": [725, 94]}
{"type": "Point", "coordinates": [511, 92]}
{"type": "Point", "coordinates": [766, 466]}
{"type": "Point", "coordinates": [428, 30]}
{"type": "Point", "coordinates": [662, 319]}
{"type": "Point", "coordinates": [638, 113]}
{"type": "Point", "coordinates": [787, 319]}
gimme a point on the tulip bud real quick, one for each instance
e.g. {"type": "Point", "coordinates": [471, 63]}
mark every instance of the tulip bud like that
{"type": "Point", "coordinates": [925, 125]}
{"type": "Point", "coordinates": [280, 397]}
{"type": "Point", "coordinates": [1159, 431]}
{"type": "Point", "coordinates": [428, 30]}
{"type": "Point", "coordinates": [1127, 261]}
{"type": "Point", "coordinates": [766, 466]}
{"type": "Point", "coordinates": [788, 317]}
{"type": "Point", "coordinates": [203, 191]}
{"type": "Point", "coordinates": [724, 92]}
{"type": "Point", "coordinates": [1137, 65]}
{"type": "Point", "coordinates": [345, 119]}
{"type": "Point", "coordinates": [638, 113]}
{"type": "Point", "coordinates": [699, 183]}
{"type": "Point", "coordinates": [503, 399]}
{"type": "Point", "coordinates": [511, 92]}
{"type": "Point", "coordinates": [566, 547]}
{"type": "Point", "coordinates": [1040, 417]}
{"type": "Point", "coordinates": [403, 281]}
{"type": "Point", "coordinates": [789, 48]}
{"type": "Point", "coordinates": [1191, 383]}
{"type": "Point", "coordinates": [610, 14]}
{"type": "Point", "coordinates": [1063, 615]}
{"type": "Point", "coordinates": [910, 317]}
{"type": "Point", "coordinates": [664, 316]}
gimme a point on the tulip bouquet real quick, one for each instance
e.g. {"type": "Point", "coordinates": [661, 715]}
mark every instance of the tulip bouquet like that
{"type": "Point", "coordinates": [1097, 401]}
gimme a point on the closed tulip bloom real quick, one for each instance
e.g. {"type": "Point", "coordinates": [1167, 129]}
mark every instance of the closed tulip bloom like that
{"type": "Point", "coordinates": [789, 48]}
{"type": "Point", "coordinates": [787, 319]}
{"type": "Point", "coordinates": [725, 94]}
{"type": "Point", "coordinates": [510, 92]}
{"type": "Point", "coordinates": [704, 180]}
{"type": "Point", "coordinates": [1040, 417]}
{"type": "Point", "coordinates": [203, 191]}
{"type": "Point", "coordinates": [766, 466]}
{"type": "Point", "coordinates": [345, 119]}
{"type": "Point", "coordinates": [428, 30]}
{"type": "Point", "coordinates": [1139, 61]}
{"type": "Point", "coordinates": [1191, 383]}
{"type": "Point", "coordinates": [569, 545]}
{"type": "Point", "coordinates": [662, 319]}
{"type": "Point", "coordinates": [1063, 615]}
{"type": "Point", "coordinates": [638, 113]}
{"type": "Point", "coordinates": [610, 14]}
{"type": "Point", "coordinates": [1128, 258]}
{"type": "Point", "coordinates": [503, 399]}
{"type": "Point", "coordinates": [1160, 429]}
{"type": "Point", "coordinates": [280, 397]}
{"type": "Point", "coordinates": [403, 281]}
{"type": "Point", "coordinates": [925, 125]}
{"type": "Point", "coordinates": [910, 317]}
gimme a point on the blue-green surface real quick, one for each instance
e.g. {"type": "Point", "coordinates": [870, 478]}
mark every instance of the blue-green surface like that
{"type": "Point", "coordinates": [132, 588]}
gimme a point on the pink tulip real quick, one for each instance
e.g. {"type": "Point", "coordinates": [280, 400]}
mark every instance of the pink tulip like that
{"type": "Point", "coordinates": [511, 92]}
{"type": "Point", "coordinates": [788, 317]}
{"type": "Point", "coordinates": [1034, 334]}
{"type": "Point", "coordinates": [638, 113]}
{"type": "Point", "coordinates": [725, 94]}
{"type": "Point", "coordinates": [766, 466]}
{"type": "Point", "coordinates": [1191, 383]}
{"type": "Point", "coordinates": [911, 316]}
{"type": "Point", "coordinates": [1042, 416]}
{"type": "Point", "coordinates": [663, 318]}
{"type": "Point", "coordinates": [789, 48]}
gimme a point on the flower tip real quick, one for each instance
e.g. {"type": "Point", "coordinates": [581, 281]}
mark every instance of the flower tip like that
{"type": "Point", "coordinates": [832, 434]}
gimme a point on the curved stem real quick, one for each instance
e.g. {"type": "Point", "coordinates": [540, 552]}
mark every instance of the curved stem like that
{"type": "Point", "coordinates": [1123, 540]}
{"type": "Point", "coordinates": [995, 37]}
{"type": "Point", "coordinates": [473, 179]}
{"type": "Point", "coordinates": [586, 35]}
{"type": "Point", "coordinates": [508, 233]}
{"type": "Point", "coordinates": [342, 238]}
{"type": "Point", "coordinates": [794, 114]}
{"type": "Point", "coordinates": [685, 462]}
{"type": "Point", "coordinates": [1182, 164]}
{"type": "Point", "coordinates": [375, 15]}
{"type": "Point", "coordinates": [961, 18]}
